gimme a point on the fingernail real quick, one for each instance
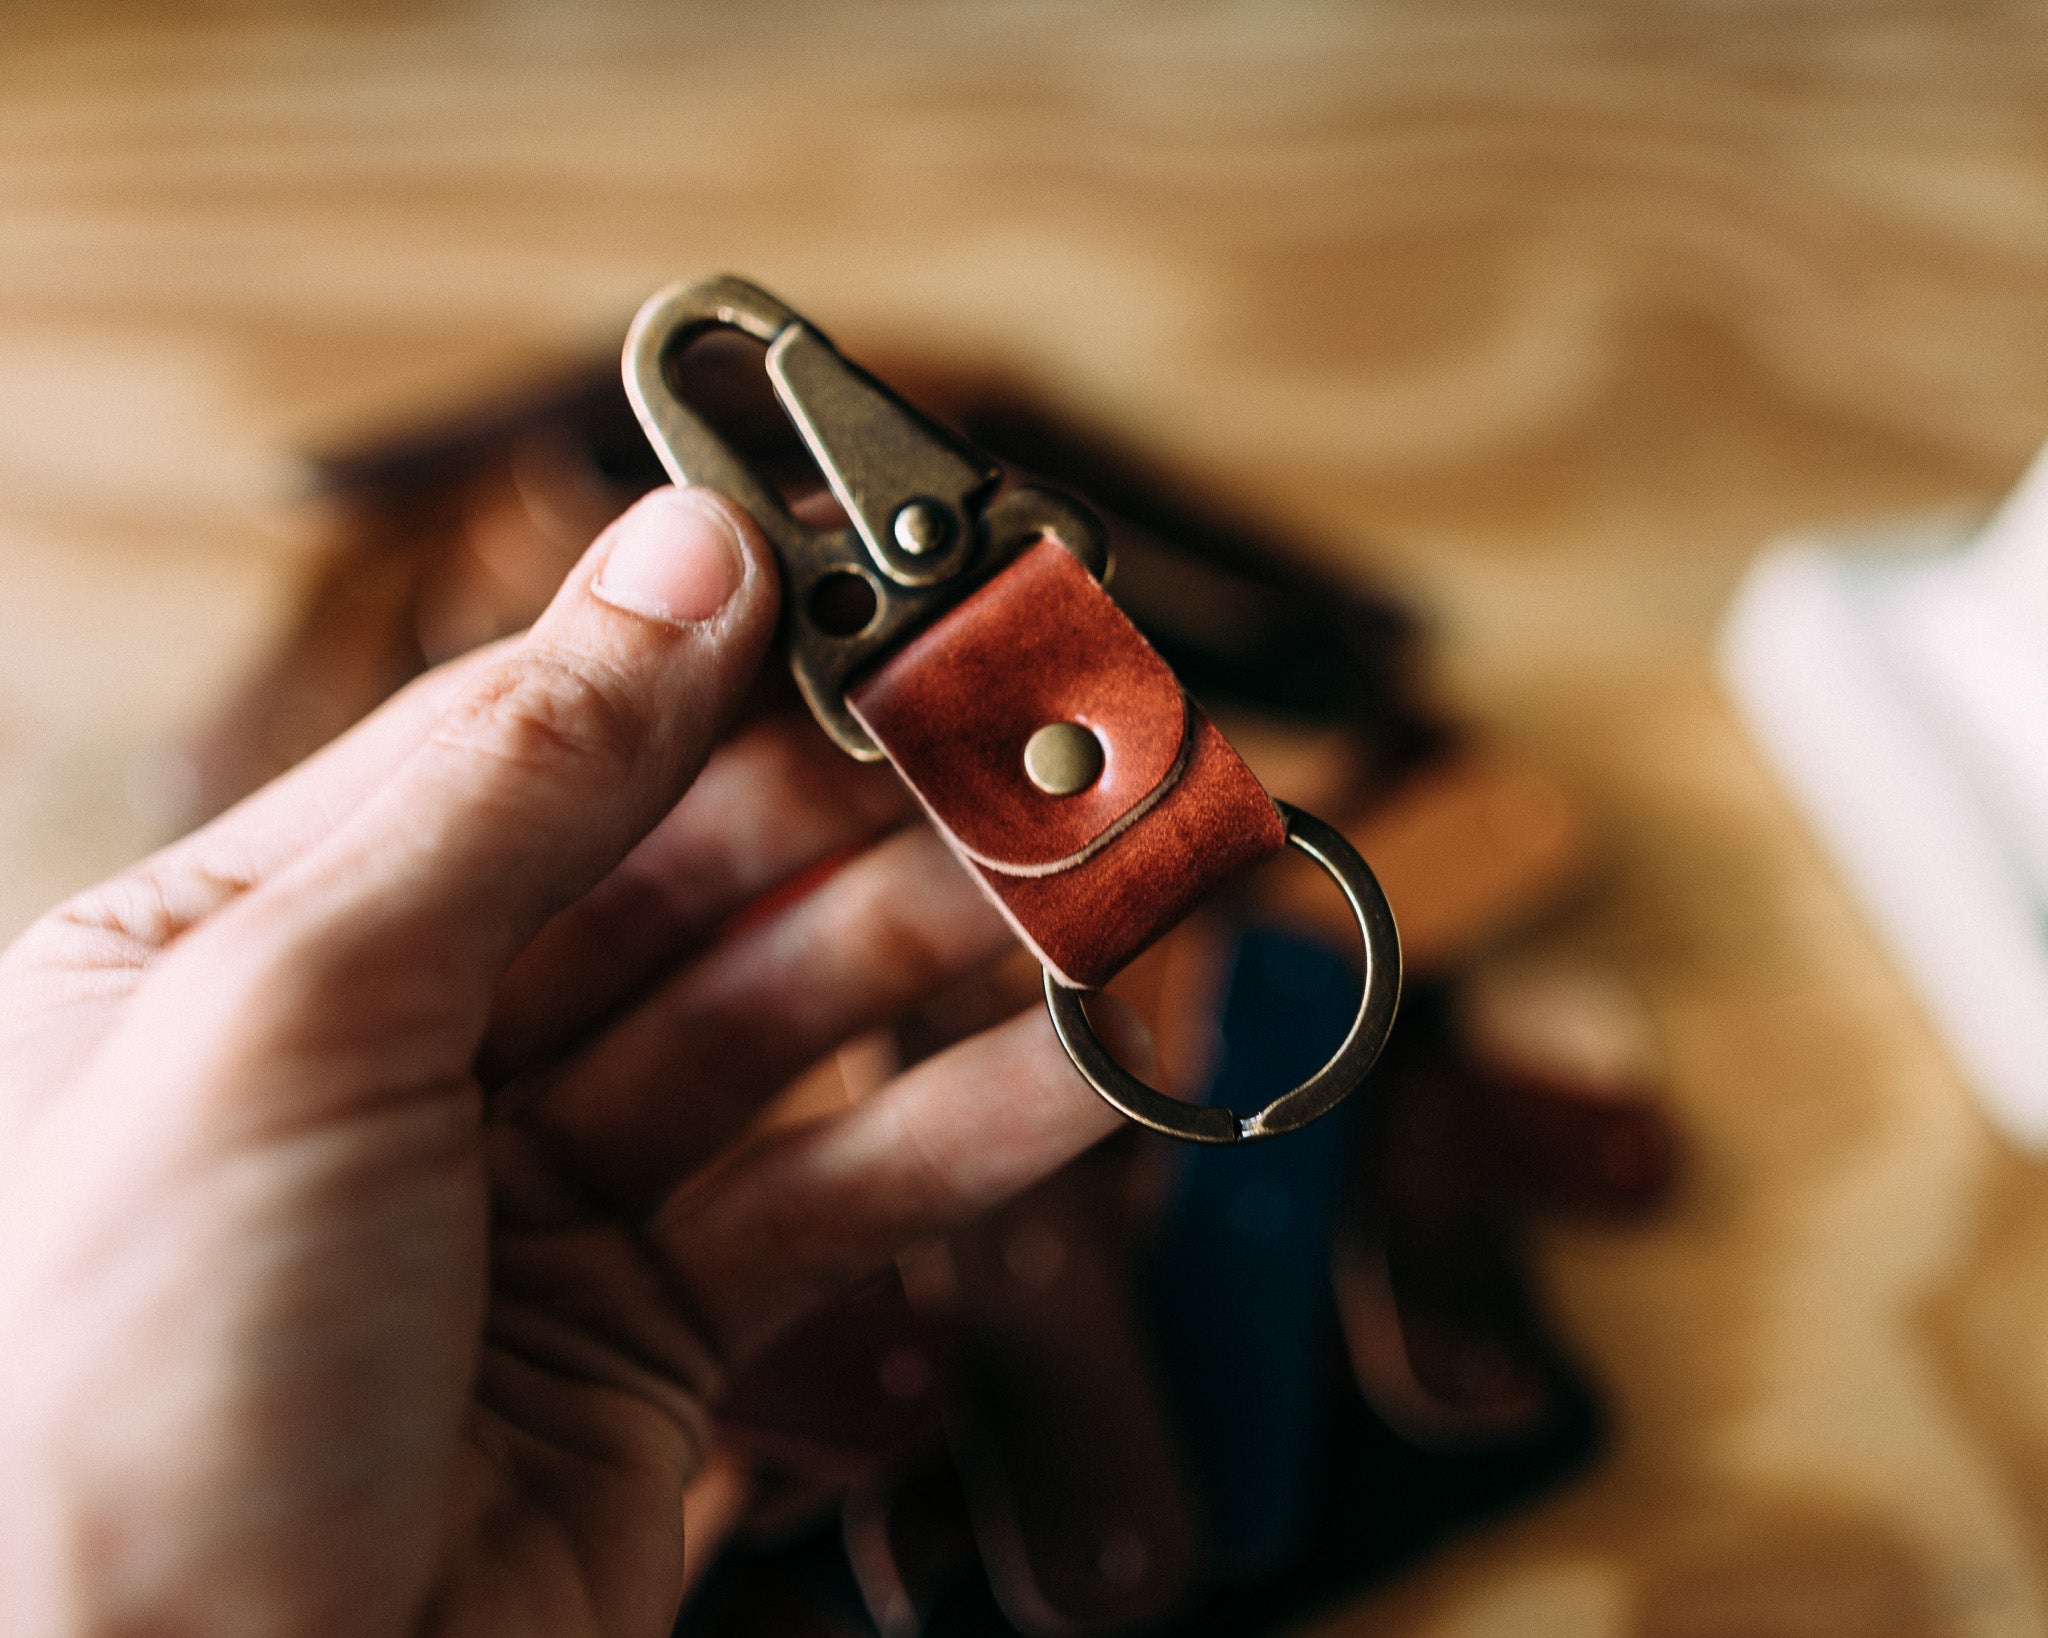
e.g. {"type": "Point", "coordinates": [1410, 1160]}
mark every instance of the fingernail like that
{"type": "Point", "coordinates": [675, 556]}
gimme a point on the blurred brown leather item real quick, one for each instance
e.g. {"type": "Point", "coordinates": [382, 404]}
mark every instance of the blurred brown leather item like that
{"type": "Point", "coordinates": [758, 1594]}
{"type": "Point", "coordinates": [1468, 848]}
{"type": "Point", "coordinates": [1595, 1155]}
{"type": "Point", "coordinates": [1433, 1293]}
{"type": "Point", "coordinates": [855, 1387]}
{"type": "Point", "coordinates": [909, 1539]}
{"type": "Point", "coordinates": [1323, 767]}
{"type": "Point", "coordinates": [1565, 1055]}
{"type": "Point", "coordinates": [1086, 1518]}
{"type": "Point", "coordinates": [785, 1506]}
{"type": "Point", "coordinates": [353, 645]}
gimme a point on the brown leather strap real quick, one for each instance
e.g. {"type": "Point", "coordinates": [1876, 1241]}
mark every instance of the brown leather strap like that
{"type": "Point", "coordinates": [1088, 1519]}
{"type": "Point", "coordinates": [1090, 879]}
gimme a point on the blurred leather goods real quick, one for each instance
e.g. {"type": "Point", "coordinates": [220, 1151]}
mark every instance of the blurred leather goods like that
{"type": "Point", "coordinates": [1020, 1434]}
{"type": "Point", "coordinates": [1073, 1473]}
{"type": "Point", "coordinates": [843, 1397]}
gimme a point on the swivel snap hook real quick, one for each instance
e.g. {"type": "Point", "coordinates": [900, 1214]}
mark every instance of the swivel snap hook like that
{"type": "Point", "coordinates": [926, 524]}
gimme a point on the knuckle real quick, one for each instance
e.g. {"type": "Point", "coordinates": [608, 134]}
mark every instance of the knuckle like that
{"type": "Point", "coordinates": [120, 922]}
{"type": "Point", "coordinates": [128, 919]}
{"type": "Point", "coordinates": [545, 709]}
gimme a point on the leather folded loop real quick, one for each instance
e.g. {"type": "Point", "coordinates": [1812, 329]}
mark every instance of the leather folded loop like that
{"type": "Point", "coordinates": [1092, 877]}
{"type": "Point", "coordinates": [1039, 645]}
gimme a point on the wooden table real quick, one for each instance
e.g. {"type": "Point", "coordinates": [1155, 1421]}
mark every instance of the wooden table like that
{"type": "Point", "coordinates": [1550, 313]}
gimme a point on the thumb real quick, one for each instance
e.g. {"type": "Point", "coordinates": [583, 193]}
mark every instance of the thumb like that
{"type": "Point", "coordinates": [553, 762]}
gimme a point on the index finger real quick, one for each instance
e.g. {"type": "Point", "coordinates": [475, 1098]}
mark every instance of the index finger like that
{"type": "Point", "coordinates": [773, 801]}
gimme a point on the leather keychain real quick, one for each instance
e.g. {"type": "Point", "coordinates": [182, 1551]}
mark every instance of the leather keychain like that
{"type": "Point", "coordinates": [960, 628]}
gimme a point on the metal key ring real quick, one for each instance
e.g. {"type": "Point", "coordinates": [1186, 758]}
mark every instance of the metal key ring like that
{"type": "Point", "coordinates": [1322, 1091]}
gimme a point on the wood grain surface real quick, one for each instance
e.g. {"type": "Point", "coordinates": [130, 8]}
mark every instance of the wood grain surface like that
{"type": "Point", "coordinates": [1553, 313]}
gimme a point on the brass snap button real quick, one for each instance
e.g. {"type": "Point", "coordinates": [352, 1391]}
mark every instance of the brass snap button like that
{"type": "Point", "coordinates": [1062, 758]}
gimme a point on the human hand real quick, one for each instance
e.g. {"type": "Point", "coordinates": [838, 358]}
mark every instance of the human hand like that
{"type": "Point", "coordinates": [378, 1210]}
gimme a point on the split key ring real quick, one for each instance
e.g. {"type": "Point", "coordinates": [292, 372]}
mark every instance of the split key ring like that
{"type": "Point", "coordinates": [1322, 1091]}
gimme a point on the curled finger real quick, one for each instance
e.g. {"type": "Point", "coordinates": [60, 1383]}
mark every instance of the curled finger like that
{"type": "Point", "coordinates": [798, 1215]}
{"type": "Point", "coordinates": [676, 1079]}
